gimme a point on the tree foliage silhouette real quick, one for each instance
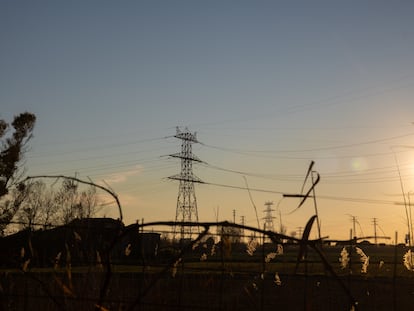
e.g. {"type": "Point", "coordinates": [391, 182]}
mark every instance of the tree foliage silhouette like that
{"type": "Point", "coordinates": [12, 150]}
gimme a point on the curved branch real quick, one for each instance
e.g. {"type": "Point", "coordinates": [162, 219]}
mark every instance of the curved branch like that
{"type": "Point", "coordinates": [272, 235]}
{"type": "Point", "coordinates": [90, 183]}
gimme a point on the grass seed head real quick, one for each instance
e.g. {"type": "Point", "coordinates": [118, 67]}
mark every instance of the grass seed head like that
{"type": "Point", "coordinates": [344, 259]}
{"type": "Point", "coordinates": [279, 249]}
{"type": "Point", "coordinates": [408, 260]}
{"type": "Point", "coordinates": [98, 260]}
{"type": "Point", "coordinates": [270, 256]}
{"type": "Point", "coordinates": [277, 280]}
{"type": "Point", "coordinates": [364, 260]}
{"type": "Point", "coordinates": [174, 267]}
{"type": "Point", "coordinates": [213, 250]}
{"type": "Point", "coordinates": [77, 236]}
{"type": "Point", "coordinates": [57, 259]}
{"type": "Point", "coordinates": [25, 265]}
{"type": "Point", "coordinates": [251, 247]}
{"type": "Point", "coordinates": [128, 250]}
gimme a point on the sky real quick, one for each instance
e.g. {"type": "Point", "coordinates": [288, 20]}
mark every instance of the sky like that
{"type": "Point", "coordinates": [268, 87]}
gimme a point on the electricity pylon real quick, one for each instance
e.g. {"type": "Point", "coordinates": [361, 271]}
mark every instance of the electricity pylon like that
{"type": "Point", "coordinates": [268, 219]}
{"type": "Point", "coordinates": [186, 201]}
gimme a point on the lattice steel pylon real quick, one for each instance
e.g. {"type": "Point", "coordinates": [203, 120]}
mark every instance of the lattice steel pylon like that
{"type": "Point", "coordinates": [186, 201]}
{"type": "Point", "coordinates": [268, 219]}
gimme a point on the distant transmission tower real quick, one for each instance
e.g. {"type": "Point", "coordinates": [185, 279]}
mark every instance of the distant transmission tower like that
{"type": "Point", "coordinates": [186, 201]}
{"type": "Point", "coordinates": [268, 219]}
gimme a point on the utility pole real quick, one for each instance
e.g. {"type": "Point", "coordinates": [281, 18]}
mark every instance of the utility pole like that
{"type": "Point", "coordinates": [353, 226]}
{"type": "Point", "coordinates": [410, 217]}
{"type": "Point", "coordinates": [242, 218]}
{"type": "Point", "coordinates": [186, 210]}
{"type": "Point", "coordinates": [354, 221]}
{"type": "Point", "coordinates": [375, 223]}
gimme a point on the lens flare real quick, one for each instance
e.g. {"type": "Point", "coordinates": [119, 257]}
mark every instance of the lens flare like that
{"type": "Point", "coordinates": [358, 164]}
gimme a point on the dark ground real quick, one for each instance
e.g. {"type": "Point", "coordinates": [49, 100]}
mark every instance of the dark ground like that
{"type": "Point", "coordinates": [202, 291]}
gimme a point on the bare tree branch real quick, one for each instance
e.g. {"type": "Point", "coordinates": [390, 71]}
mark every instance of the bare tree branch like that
{"type": "Point", "coordinates": [90, 183]}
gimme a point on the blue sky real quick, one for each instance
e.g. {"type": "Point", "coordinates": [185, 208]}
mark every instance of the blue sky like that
{"type": "Point", "coordinates": [268, 86]}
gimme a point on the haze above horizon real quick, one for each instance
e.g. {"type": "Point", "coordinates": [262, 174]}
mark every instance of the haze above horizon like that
{"type": "Point", "coordinates": [267, 86]}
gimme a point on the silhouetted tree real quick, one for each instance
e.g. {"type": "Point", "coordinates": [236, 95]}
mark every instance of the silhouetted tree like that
{"type": "Point", "coordinates": [73, 203]}
{"type": "Point", "coordinates": [66, 199]}
{"type": "Point", "coordinates": [42, 206]}
{"type": "Point", "coordinates": [39, 207]}
{"type": "Point", "coordinates": [88, 201]}
{"type": "Point", "coordinates": [12, 150]}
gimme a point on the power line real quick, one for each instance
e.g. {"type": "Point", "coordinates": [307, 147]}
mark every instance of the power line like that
{"type": "Point", "coordinates": [337, 178]}
{"type": "Point", "coordinates": [106, 146]}
{"type": "Point", "coordinates": [346, 97]}
{"type": "Point", "coordinates": [240, 151]}
{"type": "Point", "coordinates": [264, 176]}
{"type": "Point", "coordinates": [242, 188]}
{"type": "Point", "coordinates": [325, 197]}
{"type": "Point", "coordinates": [117, 154]}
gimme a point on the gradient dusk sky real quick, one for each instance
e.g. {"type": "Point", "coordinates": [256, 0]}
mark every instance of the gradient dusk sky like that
{"type": "Point", "coordinates": [269, 86]}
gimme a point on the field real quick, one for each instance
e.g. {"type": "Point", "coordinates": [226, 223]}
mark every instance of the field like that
{"type": "Point", "coordinates": [199, 279]}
